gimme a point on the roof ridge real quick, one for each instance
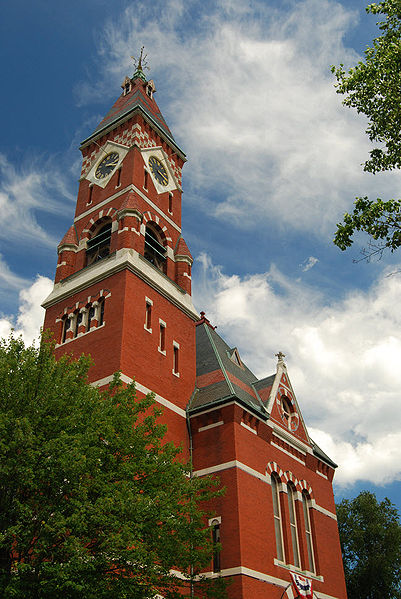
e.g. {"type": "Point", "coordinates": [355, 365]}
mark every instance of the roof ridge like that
{"type": "Point", "coordinates": [219, 360]}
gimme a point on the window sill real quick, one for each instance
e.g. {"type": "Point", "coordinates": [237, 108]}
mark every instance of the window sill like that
{"type": "Point", "coordinates": [161, 351]}
{"type": "Point", "coordinates": [146, 328]}
{"type": "Point", "coordinates": [281, 564]}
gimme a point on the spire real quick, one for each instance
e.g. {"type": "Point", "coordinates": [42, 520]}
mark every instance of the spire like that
{"type": "Point", "coordinates": [140, 64]}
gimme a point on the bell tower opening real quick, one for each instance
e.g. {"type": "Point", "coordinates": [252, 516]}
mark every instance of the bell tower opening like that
{"type": "Point", "coordinates": [155, 250]}
{"type": "Point", "coordinates": [98, 246]}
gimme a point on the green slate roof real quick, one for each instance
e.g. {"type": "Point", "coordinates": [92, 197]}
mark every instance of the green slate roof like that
{"type": "Point", "coordinates": [222, 376]}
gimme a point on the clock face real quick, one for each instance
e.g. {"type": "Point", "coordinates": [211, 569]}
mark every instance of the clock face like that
{"type": "Point", "coordinates": [158, 170]}
{"type": "Point", "coordinates": [107, 165]}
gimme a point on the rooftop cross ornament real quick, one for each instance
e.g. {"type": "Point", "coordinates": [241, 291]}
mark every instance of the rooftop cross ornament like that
{"type": "Point", "coordinates": [280, 356]}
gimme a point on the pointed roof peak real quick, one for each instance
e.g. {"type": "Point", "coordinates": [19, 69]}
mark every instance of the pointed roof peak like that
{"type": "Point", "coordinates": [280, 360]}
{"type": "Point", "coordinates": [140, 64]}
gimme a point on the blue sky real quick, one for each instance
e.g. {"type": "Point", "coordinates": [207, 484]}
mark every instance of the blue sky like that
{"type": "Point", "coordinates": [274, 160]}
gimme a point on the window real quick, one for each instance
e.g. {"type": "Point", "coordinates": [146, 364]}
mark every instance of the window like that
{"type": "Point", "coordinates": [293, 522]}
{"type": "Point", "coordinates": [170, 203]}
{"type": "Point", "coordinates": [98, 246]}
{"type": "Point", "coordinates": [275, 481]}
{"type": "Point", "coordinates": [101, 312]}
{"type": "Point", "coordinates": [66, 327]}
{"type": "Point", "coordinates": [78, 320]}
{"type": "Point", "coordinates": [308, 530]}
{"type": "Point", "coordinates": [90, 192]}
{"type": "Point", "coordinates": [91, 314]}
{"type": "Point", "coordinates": [148, 316]}
{"type": "Point", "coordinates": [145, 179]}
{"type": "Point", "coordinates": [216, 545]}
{"type": "Point", "coordinates": [176, 350]}
{"type": "Point", "coordinates": [162, 337]}
{"type": "Point", "coordinates": [155, 251]}
{"type": "Point", "coordinates": [118, 177]}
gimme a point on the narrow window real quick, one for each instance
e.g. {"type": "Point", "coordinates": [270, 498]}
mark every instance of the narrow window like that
{"type": "Point", "coordinates": [91, 314]}
{"type": "Point", "coordinates": [170, 203]}
{"type": "Point", "coordinates": [118, 177]}
{"type": "Point", "coordinates": [175, 359]}
{"type": "Point", "coordinates": [90, 194]}
{"type": "Point", "coordinates": [308, 530]}
{"type": "Point", "coordinates": [162, 338]}
{"type": "Point", "coordinates": [78, 320]}
{"type": "Point", "coordinates": [216, 545]}
{"type": "Point", "coordinates": [66, 326]}
{"type": "Point", "coordinates": [293, 522]}
{"type": "Point", "coordinates": [145, 179]}
{"type": "Point", "coordinates": [277, 517]}
{"type": "Point", "coordinates": [148, 316]}
{"type": "Point", "coordinates": [101, 312]}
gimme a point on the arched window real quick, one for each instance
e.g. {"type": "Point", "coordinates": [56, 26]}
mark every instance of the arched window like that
{"type": "Point", "coordinates": [293, 522]}
{"type": "Point", "coordinates": [98, 246]}
{"type": "Point", "coordinates": [91, 314]}
{"type": "Point", "coordinates": [65, 329]}
{"type": "Point", "coordinates": [275, 481]}
{"type": "Point", "coordinates": [306, 502]}
{"type": "Point", "coordinates": [216, 543]}
{"type": "Point", "coordinates": [155, 251]}
{"type": "Point", "coordinates": [101, 312]}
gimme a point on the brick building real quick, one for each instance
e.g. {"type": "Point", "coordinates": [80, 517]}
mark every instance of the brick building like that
{"type": "Point", "coordinates": [123, 294]}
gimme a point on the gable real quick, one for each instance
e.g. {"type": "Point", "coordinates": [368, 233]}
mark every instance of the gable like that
{"type": "Point", "coordinates": [284, 409]}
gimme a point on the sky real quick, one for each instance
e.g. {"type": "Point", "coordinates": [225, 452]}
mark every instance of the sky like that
{"type": "Point", "coordinates": [274, 161]}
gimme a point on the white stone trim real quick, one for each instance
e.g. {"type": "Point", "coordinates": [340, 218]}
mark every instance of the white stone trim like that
{"type": "Point", "coordinates": [322, 475]}
{"type": "Point", "coordinates": [291, 440]}
{"type": "Point", "coordinates": [133, 261]}
{"type": "Point", "coordinates": [208, 426]}
{"type": "Point", "coordinates": [287, 452]}
{"type": "Point", "coordinates": [211, 520]}
{"type": "Point", "coordinates": [281, 564]}
{"type": "Point", "coordinates": [322, 510]}
{"type": "Point", "coordinates": [227, 466]}
{"type": "Point", "coordinates": [244, 571]}
{"type": "Point", "coordinates": [126, 379]}
{"type": "Point", "coordinates": [120, 192]}
{"type": "Point", "coordinates": [249, 428]}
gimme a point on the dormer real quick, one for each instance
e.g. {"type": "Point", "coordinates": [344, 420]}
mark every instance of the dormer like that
{"type": "Point", "coordinates": [150, 88]}
{"type": "Point", "coordinates": [126, 86]}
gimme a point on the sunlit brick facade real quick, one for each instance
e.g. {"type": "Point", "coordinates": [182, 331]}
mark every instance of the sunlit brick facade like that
{"type": "Point", "coordinates": [122, 294]}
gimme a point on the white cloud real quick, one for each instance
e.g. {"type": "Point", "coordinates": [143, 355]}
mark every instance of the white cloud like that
{"type": "Point", "coordinates": [251, 93]}
{"type": "Point", "coordinates": [29, 319]}
{"type": "Point", "coordinates": [343, 358]}
{"type": "Point", "coordinates": [24, 193]}
{"type": "Point", "coordinates": [309, 263]}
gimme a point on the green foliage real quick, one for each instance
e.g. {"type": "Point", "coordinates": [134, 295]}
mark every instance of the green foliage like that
{"type": "Point", "coordinates": [370, 534]}
{"type": "Point", "coordinates": [93, 503]}
{"type": "Point", "coordinates": [373, 88]}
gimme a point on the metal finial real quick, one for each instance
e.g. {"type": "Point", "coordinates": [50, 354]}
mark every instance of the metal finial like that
{"type": "Point", "coordinates": [280, 356]}
{"type": "Point", "coordinates": [140, 63]}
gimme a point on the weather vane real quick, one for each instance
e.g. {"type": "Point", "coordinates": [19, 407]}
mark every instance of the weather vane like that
{"type": "Point", "coordinates": [140, 63]}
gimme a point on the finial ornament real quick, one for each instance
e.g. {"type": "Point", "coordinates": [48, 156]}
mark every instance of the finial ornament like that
{"type": "Point", "coordinates": [140, 63]}
{"type": "Point", "coordinates": [280, 356]}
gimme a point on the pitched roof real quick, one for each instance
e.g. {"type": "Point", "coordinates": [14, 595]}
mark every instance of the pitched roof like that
{"type": "Point", "coordinates": [70, 238]}
{"type": "Point", "coordinates": [136, 100]}
{"type": "Point", "coordinates": [181, 249]}
{"type": "Point", "coordinates": [219, 377]}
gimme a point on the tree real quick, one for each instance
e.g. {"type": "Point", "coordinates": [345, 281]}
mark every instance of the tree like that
{"type": "Point", "coordinates": [93, 503]}
{"type": "Point", "coordinates": [373, 87]}
{"type": "Point", "coordinates": [370, 535]}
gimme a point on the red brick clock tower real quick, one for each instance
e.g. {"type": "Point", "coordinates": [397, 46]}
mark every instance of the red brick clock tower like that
{"type": "Point", "coordinates": [122, 294]}
{"type": "Point", "coordinates": [122, 290]}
